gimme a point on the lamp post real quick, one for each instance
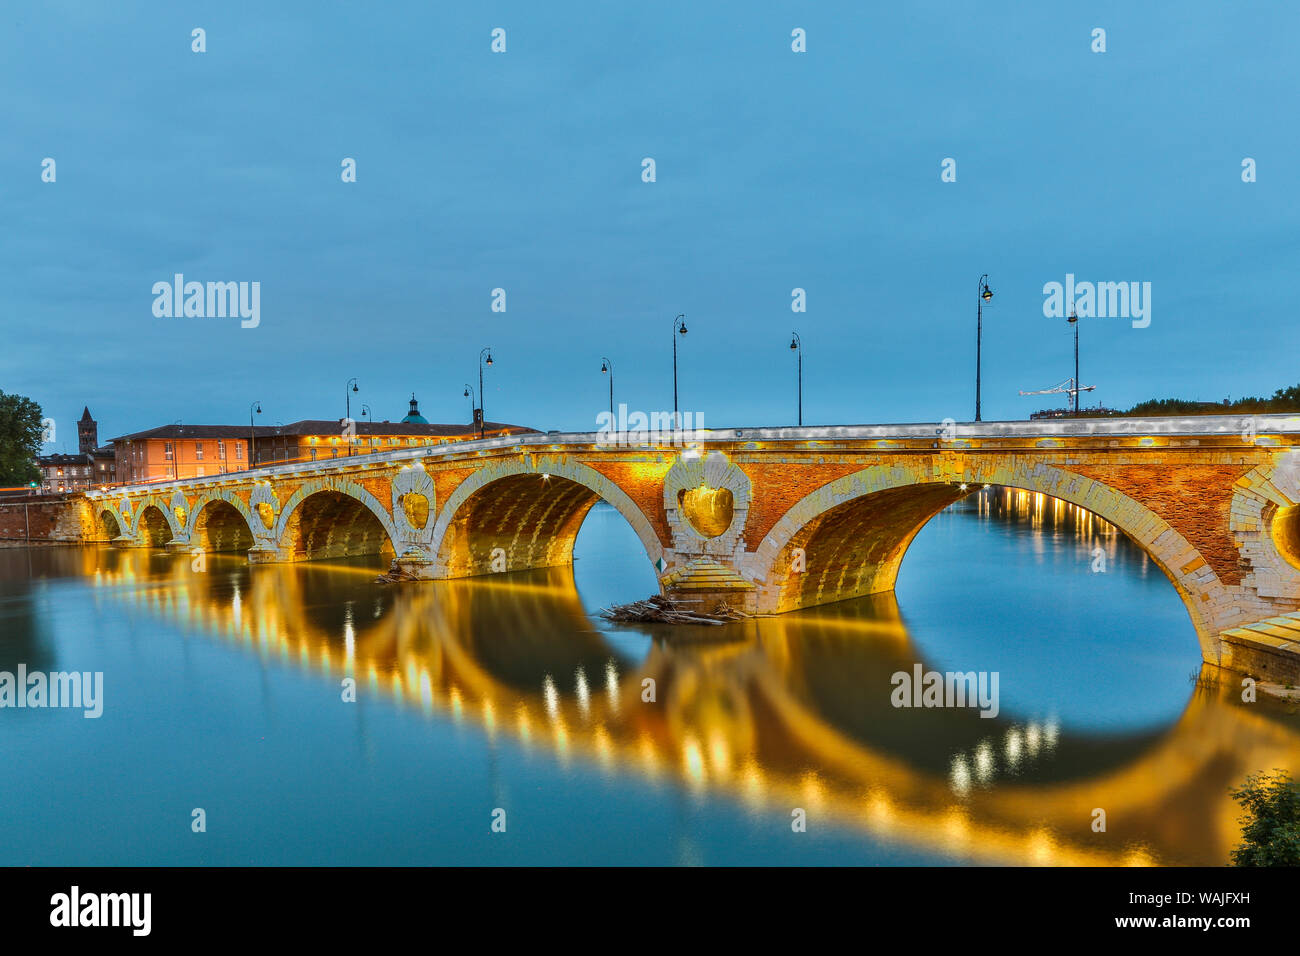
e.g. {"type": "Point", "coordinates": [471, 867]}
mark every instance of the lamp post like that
{"type": "Point", "coordinates": [176, 455]}
{"type": "Point", "coordinates": [679, 328]}
{"type": "Point", "coordinates": [796, 343]}
{"type": "Point", "coordinates": [347, 397]}
{"type": "Point", "coordinates": [482, 412]}
{"type": "Point", "coordinates": [365, 412]}
{"type": "Point", "coordinates": [469, 393]}
{"type": "Point", "coordinates": [255, 407]}
{"type": "Point", "coordinates": [985, 295]}
{"type": "Point", "coordinates": [607, 367]}
{"type": "Point", "coordinates": [1074, 320]}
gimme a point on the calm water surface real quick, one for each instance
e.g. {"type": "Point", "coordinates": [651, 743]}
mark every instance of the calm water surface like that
{"type": "Point", "coordinates": [223, 691]}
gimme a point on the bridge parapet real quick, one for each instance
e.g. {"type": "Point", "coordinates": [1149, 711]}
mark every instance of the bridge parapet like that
{"type": "Point", "coordinates": [783, 517]}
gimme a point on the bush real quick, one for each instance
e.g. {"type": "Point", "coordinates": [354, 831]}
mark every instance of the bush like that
{"type": "Point", "coordinates": [1271, 827]}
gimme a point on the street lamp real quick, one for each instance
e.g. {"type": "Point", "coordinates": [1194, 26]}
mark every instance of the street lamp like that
{"type": "Point", "coordinates": [607, 367]}
{"type": "Point", "coordinates": [348, 423]}
{"type": "Point", "coordinates": [985, 295]}
{"type": "Point", "coordinates": [796, 343]}
{"type": "Point", "coordinates": [679, 328]}
{"type": "Point", "coordinates": [347, 398]}
{"type": "Point", "coordinates": [255, 407]}
{"type": "Point", "coordinates": [469, 393]}
{"type": "Point", "coordinates": [482, 412]}
{"type": "Point", "coordinates": [365, 412]}
{"type": "Point", "coordinates": [1074, 320]}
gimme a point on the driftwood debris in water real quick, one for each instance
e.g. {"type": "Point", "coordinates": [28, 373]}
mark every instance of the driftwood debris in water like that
{"type": "Point", "coordinates": [395, 574]}
{"type": "Point", "coordinates": [664, 610]}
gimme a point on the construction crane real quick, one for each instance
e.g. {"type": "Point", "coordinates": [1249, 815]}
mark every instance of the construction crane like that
{"type": "Point", "coordinates": [1067, 387]}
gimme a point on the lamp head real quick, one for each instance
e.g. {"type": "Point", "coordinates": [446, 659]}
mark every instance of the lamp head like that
{"type": "Point", "coordinates": [259, 408]}
{"type": "Point", "coordinates": [986, 293]}
{"type": "Point", "coordinates": [489, 358]}
{"type": "Point", "coordinates": [354, 388]}
{"type": "Point", "coordinates": [604, 367]}
{"type": "Point", "coordinates": [794, 344]}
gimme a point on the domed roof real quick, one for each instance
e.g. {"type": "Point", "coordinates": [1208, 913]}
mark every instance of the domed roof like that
{"type": "Point", "coordinates": [414, 417]}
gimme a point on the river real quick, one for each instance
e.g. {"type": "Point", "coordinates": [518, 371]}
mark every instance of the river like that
{"type": "Point", "coordinates": [304, 714]}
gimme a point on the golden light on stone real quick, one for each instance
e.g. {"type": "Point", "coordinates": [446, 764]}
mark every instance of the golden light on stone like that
{"type": "Point", "coordinates": [416, 507]}
{"type": "Point", "coordinates": [1286, 534]}
{"type": "Point", "coordinates": [266, 513]}
{"type": "Point", "coordinates": [709, 510]}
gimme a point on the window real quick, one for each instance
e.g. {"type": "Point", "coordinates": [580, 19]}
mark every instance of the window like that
{"type": "Point", "coordinates": [198, 452]}
{"type": "Point", "coordinates": [313, 454]}
{"type": "Point", "coordinates": [335, 452]}
{"type": "Point", "coordinates": [221, 449]}
{"type": "Point", "coordinates": [199, 472]}
{"type": "Point", "coordinates": [167, 450]}
{"type": "Point", "coordinates": [239, 451]}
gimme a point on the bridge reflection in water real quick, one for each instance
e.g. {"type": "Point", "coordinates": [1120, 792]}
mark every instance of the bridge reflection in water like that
{"type": "Point", "coordinates": [796, 713]}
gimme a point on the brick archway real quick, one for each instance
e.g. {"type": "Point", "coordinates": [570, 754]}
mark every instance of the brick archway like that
{"type": "Point", "coordinates": [530, 509]}
{"type": "Point", "coordinates": [221, 522]}
{"type": "Point", "coordinates": [154, 525]}
{"type": "Point", "coordinates": [343, 519]}
{"type": "Point", "coordinates": [109, 524]}
{"type": "Point", "coordinates": [866, 521]}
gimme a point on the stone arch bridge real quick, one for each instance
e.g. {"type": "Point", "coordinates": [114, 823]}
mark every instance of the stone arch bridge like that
{"type": "Point", "coordinates": [773, 519]}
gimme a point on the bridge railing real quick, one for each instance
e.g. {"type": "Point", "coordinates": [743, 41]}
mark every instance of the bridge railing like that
{"type": "Point", "coordinates": [1186, 426]}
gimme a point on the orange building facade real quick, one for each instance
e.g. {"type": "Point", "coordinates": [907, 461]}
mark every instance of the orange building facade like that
{"type": "Point", "coordinates": [173, 452]}
{"type": "Point", "coordinates": [180, 451]}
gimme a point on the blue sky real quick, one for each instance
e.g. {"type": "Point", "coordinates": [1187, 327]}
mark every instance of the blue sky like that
{"type": "Point", "coordinates": [522, 171]}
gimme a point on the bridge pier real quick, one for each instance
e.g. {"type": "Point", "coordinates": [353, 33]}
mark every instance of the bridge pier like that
{"type": "Point", "coordinates": [416, 564]}
{"type": "Point", "coordinates": [264, 555]}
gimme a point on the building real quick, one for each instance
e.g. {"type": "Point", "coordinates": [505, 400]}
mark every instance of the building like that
{"type": "Point", "coordinates": [92, 467]}
{"type": "Point", "coordinates": [1096, 411]}
{"type": "Point", "coordinates": [313, 440]}
{"type": "Point", "coordinates": [181, 451]}
{"type": "Point", "coordinates": [198, 451]}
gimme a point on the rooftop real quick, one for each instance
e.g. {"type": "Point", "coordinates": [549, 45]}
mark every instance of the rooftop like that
{"type": "Point", "coordinates": [320, 427]}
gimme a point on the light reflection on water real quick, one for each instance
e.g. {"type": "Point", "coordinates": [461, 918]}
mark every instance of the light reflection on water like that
{"type": "Point", "coordinates": [223, 691]}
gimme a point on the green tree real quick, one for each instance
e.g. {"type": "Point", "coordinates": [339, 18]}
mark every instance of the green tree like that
{"type": "Point", "coordinates": [20, 440]}
{"type": "Point", "coordinates": [1270, 834]}
{"type": "Point", "coordinates": [1283, 400]}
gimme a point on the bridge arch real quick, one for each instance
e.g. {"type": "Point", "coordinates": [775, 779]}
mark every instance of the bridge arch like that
{"type": "Point", "coordinates": [221, 522]}
{"type": "Point", "coordinates": [332, 518]}
{"type": "Point", "coordinates": [525, 513]}
{"type": "Point", "coordinates": [108, 523]}
{"type": "Point", "coordinates": [854, 532]}
{"type": "Point", "coordinates": [154, 524]}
